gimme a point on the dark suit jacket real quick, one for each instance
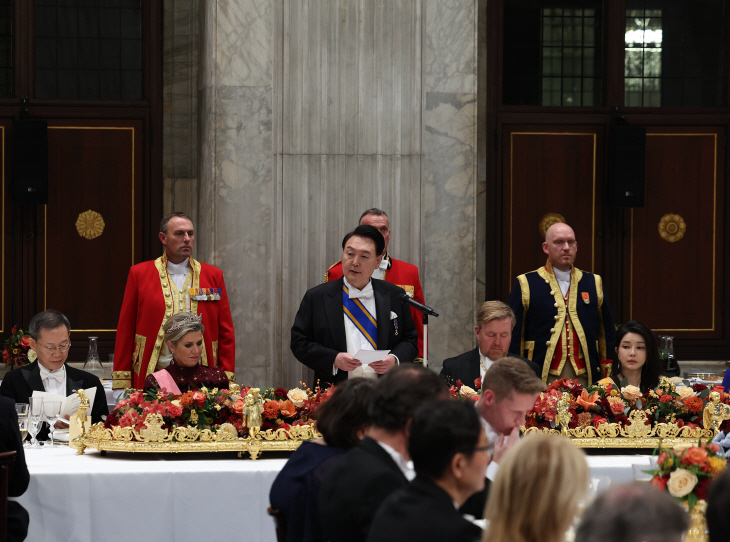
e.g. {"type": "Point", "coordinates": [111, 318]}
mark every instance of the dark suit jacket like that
{"type": "Point", "coordinates": [353, 490]}
{"type": "Point", "coordinates": [318, 333]}
{"type": "Point", "coordinates": [19, 476]}
{"type": "Point", "coordinates": [424, 512]}
{"type": "Point", "coordinates": [19, 385]}
{"type": "Point", "coordinates": [465, 367]}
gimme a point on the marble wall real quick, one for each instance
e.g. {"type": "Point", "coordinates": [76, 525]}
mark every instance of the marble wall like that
{"type": "Point", "coordinates": [310, 111]}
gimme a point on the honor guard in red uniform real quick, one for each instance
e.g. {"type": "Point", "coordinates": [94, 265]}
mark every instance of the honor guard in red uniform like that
{"type": "Point", "coordinates": [398, 272]}
{"type": "Point", "coordinates": [160, 288]}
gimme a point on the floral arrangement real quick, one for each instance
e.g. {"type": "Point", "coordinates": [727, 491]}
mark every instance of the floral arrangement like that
{"type": "Point", "coordinates": [459, 390]}
{"type": "Point", "coordinates": [209, 409]}
{"type": "Point", "coordinates": [16, 348]}
{"type": "Point", "coordinates": [686, 471]}
{"type": "Point", "coordinates": [598, 404]}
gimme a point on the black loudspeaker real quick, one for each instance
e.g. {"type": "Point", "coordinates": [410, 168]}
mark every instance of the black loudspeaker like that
{"type": "Point", "coordinates": [30, 162]}
{"type": "Point", "coordinates": [628, 162]}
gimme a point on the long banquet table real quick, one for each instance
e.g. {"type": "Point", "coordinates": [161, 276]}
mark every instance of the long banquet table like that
{"type": "Point", "coordinates": [172, 497]}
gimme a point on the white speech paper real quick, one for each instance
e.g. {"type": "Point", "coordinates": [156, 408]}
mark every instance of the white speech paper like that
{"type": "Point", "coordinates": [70, 403]}
{"type": "Point", "coordinates": [366, 357]}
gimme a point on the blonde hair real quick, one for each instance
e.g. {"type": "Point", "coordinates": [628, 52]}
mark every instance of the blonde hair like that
{"type": "Point", "coordinates": [181, 319]}
{"type": "Point", "coordinates": [494, 310]}
{"type": "Point", "coordinates": [510, 375]}
{"type": "Point", "coordinates": [554, 473]}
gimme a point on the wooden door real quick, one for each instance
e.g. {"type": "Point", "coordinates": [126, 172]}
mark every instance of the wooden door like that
{"type": "Point", "coordinates": [550, 173]}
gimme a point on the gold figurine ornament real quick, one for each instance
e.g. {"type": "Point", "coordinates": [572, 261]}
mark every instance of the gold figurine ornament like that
{"type": "Point", "coordinates": [79, 424]}
{"type": "Point", "coordinates": [252, 411]}
{"type": "Point", "coordinates": [715, 413]}
{"type": "Point", "coordinates": [563, 415]}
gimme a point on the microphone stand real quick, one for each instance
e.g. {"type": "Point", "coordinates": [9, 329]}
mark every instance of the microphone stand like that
{"type": "Point", "coordinates": [426, 310]}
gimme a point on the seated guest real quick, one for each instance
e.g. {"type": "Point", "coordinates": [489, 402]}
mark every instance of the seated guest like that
{"type": "Point", "coordinates": [338, 319]}
{"type": "Point", "coordinates": [17, 516]}
{"type": "Point", "coordinates": [184, 338]}
{"type": "Point", "coordinates": [495, 321]}
{"type": "Point", "coordinates": [343, 420]}
{"type": "Point", "coordinates": [363, 478]}
{"type": "Point", "coordinates": [50, 339]}
{"type": "Point", "coordinates": [450, 456]}
{"type": "Point", "coordinates": [634, 512]}
{"type": "Point", "coordinates": [510, 389]}
{"type": "Point", "coordinates": [636, 358]}
{"type": "Point", "coordinates": [718, 504]}
{"type": "Point", "coordinates": [537, 490]}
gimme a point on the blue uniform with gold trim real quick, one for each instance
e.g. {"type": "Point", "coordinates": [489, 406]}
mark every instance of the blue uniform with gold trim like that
{"type": "Point", "coordinates": [543, 318]}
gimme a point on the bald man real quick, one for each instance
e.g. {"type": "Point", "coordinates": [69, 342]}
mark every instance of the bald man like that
{"type": "Point", "coordinates": [564, 323]}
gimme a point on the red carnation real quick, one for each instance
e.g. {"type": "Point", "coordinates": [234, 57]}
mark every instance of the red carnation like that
{"type": "Point", "coordinates": [598, 420]}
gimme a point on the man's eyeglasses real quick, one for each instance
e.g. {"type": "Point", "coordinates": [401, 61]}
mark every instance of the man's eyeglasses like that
{"type": "Point", "coordinates": [52, 349]}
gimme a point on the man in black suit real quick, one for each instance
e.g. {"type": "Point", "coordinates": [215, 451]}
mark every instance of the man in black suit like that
{"type": "Point", "coordinates": [509, 390]}
{"type": "Point", "coordinates": [495, 321]}
{"type": "Point", "coordinates": [17, 516]}
{"type": "Point", "coordinates": [357, 484]}
{"type": "Point", "coordinates": [50, 339]}
{"type": "Point", "coordinates": [450, 456]}
{"type": "Point", "coordinates": [338, 319]}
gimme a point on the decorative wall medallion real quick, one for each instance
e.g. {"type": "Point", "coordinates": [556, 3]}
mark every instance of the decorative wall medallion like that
{"type": "Point", "coordinates": [90, 224]}
{"type": "Point", "coordinates": [672, 227]}
{"type": "Point", "coordinates": [547, 221]}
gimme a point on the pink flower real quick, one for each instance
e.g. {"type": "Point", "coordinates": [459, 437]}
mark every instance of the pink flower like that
{"type": "Point", "coordinates": [136, 398]}
{"type": "Point", "coordinates": [199, 398]}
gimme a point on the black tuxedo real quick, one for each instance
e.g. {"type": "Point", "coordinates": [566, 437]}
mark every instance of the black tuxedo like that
{"type": "Point", "coordinates": [424, 512]}
{"type": "Point", "coordinates": [353, 490]}
{"type": "Point", "coordinates": [318, 333]}
{"type": "Point", "coordinates": [19, 385]}
{"type": "Point", "coordinates": [19, 477]}
{"type": "Point", "coordinates": [465, 367]}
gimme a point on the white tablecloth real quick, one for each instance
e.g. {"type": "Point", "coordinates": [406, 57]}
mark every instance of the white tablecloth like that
{"type": "Point", "coordinates": [147, 497]}
{"type": "Point", "coordinates": [171, 497]}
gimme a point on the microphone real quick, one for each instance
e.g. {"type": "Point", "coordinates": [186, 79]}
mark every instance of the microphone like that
{"type": "Point", "coordinates": [405, 298]}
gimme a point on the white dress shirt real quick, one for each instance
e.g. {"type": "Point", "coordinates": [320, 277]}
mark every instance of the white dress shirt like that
{"type": "Point", "coordinates": [178, 272]}
{"type": "Point", "coordinates": [563, 278]}
{"type": "Point", "coordinates": [492, 439]}
{"type": "Point", "coordinates": [379, 273]}
{"type": "Point", "coordinates": [486, 363]}
{"type": "Point", "coordinates": [355, 339]}
{"type": "Point", "coordinates": [406, 467]}
{"type": "Point", "coordinates": [54, 381]}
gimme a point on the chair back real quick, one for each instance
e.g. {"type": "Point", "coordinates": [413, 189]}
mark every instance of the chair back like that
{"type": "Point", "coordinates": [279, 522]}
{"type": "Point", "coordinates": [6, 461]}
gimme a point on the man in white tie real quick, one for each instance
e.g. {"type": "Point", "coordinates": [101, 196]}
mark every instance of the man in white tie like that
{"type": "Point", "coordinates": [50, 339]}
{"type": "Point", "coordinates": [355, 313]}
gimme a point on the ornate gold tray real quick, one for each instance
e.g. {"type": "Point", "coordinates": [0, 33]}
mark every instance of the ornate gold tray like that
{"type": "Point", "coordinates": [155, 438]}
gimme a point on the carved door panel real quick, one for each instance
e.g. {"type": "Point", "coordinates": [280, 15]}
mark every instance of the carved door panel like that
{"type": "Point", "coordinates": [550, 174]}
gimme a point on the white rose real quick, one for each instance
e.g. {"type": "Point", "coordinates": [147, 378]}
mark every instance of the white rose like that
{"type": "Point", "coordinates": [631, 393]}
{"type": "Point", "coordinates": [681, 483]}
{"type": "Point", "coordinates": [685, 392]}
{"type": "Point", "coordinates": [682, 447]}
{"type": "Point", "coordinates": [297, 397]}
{"type": "Point", "coordinates": [466, 391]}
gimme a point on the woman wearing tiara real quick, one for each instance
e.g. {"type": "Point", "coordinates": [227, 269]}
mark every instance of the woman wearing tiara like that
{"type": "Point", "coordinates": [184, 338]}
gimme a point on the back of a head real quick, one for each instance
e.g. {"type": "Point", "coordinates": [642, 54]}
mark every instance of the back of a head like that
{"type": "Point", "coordinates": [344, 415]}
{"type": "Point", "coordinates": [511, 375]}
{"type": "Point", "coordinates": [553, 474]}
{"type": "Point", "coordinates": [634, 512]}
{"type": "Point", "coordinates": [718, 504]}
{"type": "Point", "coordinates": [401, 392]}
{"type": "Point", "coordinates": [440, 430]}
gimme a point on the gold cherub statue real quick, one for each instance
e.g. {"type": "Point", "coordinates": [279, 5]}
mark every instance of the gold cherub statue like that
{"type": "Point", "coordinates": [562, 416]}
{"type": "Point", "coordinates": [715, 413]}
{"type": "Point", "coordinates": [252, 411]}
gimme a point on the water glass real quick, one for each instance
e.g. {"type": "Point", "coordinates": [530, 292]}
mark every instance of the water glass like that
{"type": "Point", "coordinates": [51, 414]}
{"type": "Point", "coordinates": [22, 410]}
{"type": "Point", "coordinates": [35, 415]}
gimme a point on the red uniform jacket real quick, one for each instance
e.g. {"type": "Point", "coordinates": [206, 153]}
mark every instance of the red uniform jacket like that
{"type": "Point", "coordinates": [146, 307]}
{"type": "Point", "coordinates": [401, 274]}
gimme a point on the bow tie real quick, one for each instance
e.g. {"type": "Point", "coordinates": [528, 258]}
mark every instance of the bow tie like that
{"type": "Point", "coordinates": [365, 293]}
{"type": "Point", "coordinates": [57, 375]}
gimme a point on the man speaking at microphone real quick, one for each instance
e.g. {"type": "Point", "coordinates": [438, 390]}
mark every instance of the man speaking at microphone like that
{"type": "Point", "coordinates": [354, 313]}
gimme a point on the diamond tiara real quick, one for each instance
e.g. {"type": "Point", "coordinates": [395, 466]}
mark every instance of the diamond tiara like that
{"type": "Point", "coordinates": [190, 318]}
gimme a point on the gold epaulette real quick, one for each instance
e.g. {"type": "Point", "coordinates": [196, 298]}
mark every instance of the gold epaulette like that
{"type": "Point", "coordinates": [327, 273]}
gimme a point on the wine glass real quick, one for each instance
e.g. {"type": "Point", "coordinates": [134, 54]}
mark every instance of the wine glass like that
{"type": "Point", "coordinates": [22, 410]}
{"type": "Point", "coordinates": [35, 413]}
{"type": "Point", "coordinates": [51, 414]}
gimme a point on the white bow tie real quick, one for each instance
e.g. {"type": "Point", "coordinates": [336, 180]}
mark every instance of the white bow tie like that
{"type": "Point", "coordinates": [365, 293]}
{"type": "Point", "coordinates": [57, 375]}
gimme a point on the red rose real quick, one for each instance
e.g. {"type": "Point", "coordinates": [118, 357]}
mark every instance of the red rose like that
{"type": "Point", "coordinates": [660, 482]}
{"type": "Point", "coordinates": [266, 426]}
{"type": "Point", "coordinates": [199, 398]}
{"type": "Point", "coordinates": [284, 426]}
{"type": "Point", "coordinates": [280, 392]}
{"type": "Point", "coordinates": [598, 420]}
{"type": "Point", "coordinates": [698, 387]}
{"type": "Point", "coordinates": [174, 411]}
{"type": "Point", "coordinates": [665, 398]}
{"type": "Point", "coordinates": [24, 342]}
